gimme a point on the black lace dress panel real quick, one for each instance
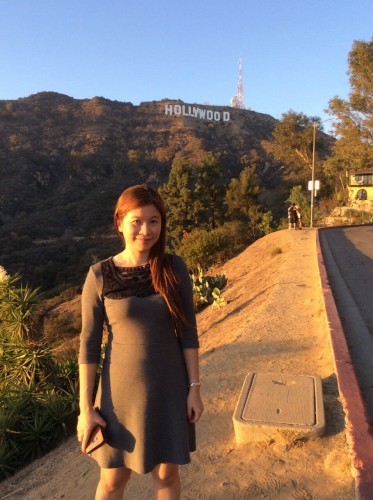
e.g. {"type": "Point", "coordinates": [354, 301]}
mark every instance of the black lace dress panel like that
{"type": "Point", "coordinates": [123, 282]}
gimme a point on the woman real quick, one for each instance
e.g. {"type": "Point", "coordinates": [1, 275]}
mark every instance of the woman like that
{"type": "Point", "coordinates": [148, 395]}
{"type": "Point", "coordinates": [299, 216]}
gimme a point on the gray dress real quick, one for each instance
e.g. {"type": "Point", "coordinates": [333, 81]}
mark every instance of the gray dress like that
{"type": "Point", "coordinates": [143, 385]}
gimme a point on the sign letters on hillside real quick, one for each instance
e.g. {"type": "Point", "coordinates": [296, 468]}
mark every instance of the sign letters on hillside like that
{"type": "Point", "coordinates": [194, 112]}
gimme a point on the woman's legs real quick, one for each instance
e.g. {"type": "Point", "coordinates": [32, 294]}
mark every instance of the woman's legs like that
{"type": "Point", "coordinates": [112, 483]}
{"type": "Point", "coordinates": [166, 481]}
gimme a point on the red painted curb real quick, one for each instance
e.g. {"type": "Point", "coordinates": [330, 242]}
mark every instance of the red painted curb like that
{"type": "Point", "coordinates": [359, 434]}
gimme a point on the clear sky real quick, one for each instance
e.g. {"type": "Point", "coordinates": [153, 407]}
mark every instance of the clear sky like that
{"type": "Point", "coordinates": [294, 52]}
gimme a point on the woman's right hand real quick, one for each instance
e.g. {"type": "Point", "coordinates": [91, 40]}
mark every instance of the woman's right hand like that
{"type": "Point", "coordinates": [87, 421]}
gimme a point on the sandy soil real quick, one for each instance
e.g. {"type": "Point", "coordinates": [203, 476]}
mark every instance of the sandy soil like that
{"type": "Point", "coordinates": [274, 322]}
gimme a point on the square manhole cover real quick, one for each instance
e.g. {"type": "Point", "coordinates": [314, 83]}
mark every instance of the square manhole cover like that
{"type": "Point", "coordinates": [285, 399]}
{"type": "Point", "coordinates": [273, 403]}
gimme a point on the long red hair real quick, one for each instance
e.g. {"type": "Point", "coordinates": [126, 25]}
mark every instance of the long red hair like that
{"type": "Point", "coordinates": [164, 278]}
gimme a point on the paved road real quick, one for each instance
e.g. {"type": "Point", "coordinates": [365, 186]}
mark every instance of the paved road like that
{"type": "Point", "coordinates": [348, 257]}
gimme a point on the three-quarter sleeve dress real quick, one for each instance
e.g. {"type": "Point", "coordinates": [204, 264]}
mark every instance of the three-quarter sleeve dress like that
{"type": "Point", "coordinates": [143, 387]}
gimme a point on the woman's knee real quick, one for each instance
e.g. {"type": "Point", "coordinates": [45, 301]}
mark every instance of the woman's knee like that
{"type": "Point", "coordinates": [114, 479]}
{"type": "Point", "coordinates": [166, 474]}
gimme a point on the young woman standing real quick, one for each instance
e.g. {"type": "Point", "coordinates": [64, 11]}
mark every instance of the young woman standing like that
{"type": "Point", "coordinates": [149, 390]}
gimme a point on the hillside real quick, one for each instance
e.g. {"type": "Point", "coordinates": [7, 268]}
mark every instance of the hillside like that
{"type": "Point", "coordinates": [274, 322]}
{"type": "Point", "coordinates": [64, 161]}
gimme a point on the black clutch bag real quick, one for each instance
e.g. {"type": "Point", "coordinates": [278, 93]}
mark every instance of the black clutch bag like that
{"type": "Point", "coordinates": [96, 439]}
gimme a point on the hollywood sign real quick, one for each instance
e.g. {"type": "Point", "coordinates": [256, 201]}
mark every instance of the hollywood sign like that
{"type": "Point", "coordinates": [204, 114]}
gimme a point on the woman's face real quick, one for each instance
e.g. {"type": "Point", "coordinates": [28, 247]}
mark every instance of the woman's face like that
{"type": "Point", "coordinates": [141, 228]}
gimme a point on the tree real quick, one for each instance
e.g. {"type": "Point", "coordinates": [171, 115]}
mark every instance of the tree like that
{"type": "Point", "coordinates": [178, 198]}
{"type": "Point", "coordinates": [242, 204]}
{"type": "Point", "coordinates": [293, 143]}
{"type": "Point", "coordinates": [209, 192]}
{"type": "Point", "coordinates": [354, 127]}
{"type": "Point", "coordinates": [242, 193]}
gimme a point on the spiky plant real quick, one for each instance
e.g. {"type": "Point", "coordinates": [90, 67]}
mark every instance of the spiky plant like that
{"type": "Point", "coordinates": [26, 363]}
{"type": "Point", "coordinates": [61, 407]}
{"type": "Point", "coordinates": [32, 421]}
{"type": "Point", "coordinates": [18, 309]}
{"type": "Point", "coordinates": [8, 460]}
{"type": "Point", "coordinates": [38, 397]}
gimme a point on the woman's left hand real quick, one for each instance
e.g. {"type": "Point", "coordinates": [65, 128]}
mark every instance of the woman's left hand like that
{"type": "Point", "coordinates": [194, 405]}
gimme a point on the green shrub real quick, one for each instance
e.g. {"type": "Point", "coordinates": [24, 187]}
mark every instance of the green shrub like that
{"type": "Point", "coordinates": [276, 251]}
{"type": "Point", "coordinates": [283, 224]}
{"type": "Point", "coordinates": [358, 217]}
{"type": "Point", "coordinates": [265, 226]}
{"type": "Point", "coordinates": [239, 237]}
{"type": "Point", "coordinates": [203, 247]}
{"type": "Point", "coordinates": [38, 396]}
{"type": "Point", "coordinates": [32, 422]}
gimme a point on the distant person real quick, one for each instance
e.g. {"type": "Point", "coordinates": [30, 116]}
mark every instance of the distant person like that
{"type": "Point", "coordinates": [292, 216]}
{"type": "Point", "coordinates": [149, 390]}
{"type": "Point", "coordinates": [299, 216]}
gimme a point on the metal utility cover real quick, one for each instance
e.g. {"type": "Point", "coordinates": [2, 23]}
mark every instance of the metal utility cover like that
{"type": "Point", "coordinates": [277, 403]}
{"type": "Point", "coordinates": [281, 399]}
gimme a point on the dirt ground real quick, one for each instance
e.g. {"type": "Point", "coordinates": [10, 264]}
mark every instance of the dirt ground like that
{"type": "Point", "coordinates": [274, 322]}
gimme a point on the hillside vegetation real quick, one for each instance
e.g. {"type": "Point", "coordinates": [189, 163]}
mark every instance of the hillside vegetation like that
{"type": "Point", "coordinates": [64, 161]}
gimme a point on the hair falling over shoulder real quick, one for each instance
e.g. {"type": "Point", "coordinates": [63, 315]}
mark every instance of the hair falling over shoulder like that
{"type": "Point", "coordinates": [164, 278]}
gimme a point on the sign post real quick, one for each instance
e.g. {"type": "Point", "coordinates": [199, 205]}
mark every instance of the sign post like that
{"type": "Point", "coordinates": [315, 185]}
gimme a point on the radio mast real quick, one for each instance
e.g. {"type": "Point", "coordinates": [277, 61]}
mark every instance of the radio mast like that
{"type": "Point", "coordinates": [238, 101]}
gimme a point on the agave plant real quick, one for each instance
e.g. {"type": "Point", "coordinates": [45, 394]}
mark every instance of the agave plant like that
{"type": "Point", "coordinates": [71, 390]}
{"type": "Point", "coordinates": [15, 401]}
{"type": "Point", "coordinates": [38, 396]}
{"type": "Point", "coordinates": [9, 462]}
{"type": "Point", "coordinates": [61, 407]}
{"type": "Point", "coordinates": [32, 420]}
{"type": "Point", "coordinates": [18, 309]}
{"type": "Point", "coordinates": [26, 362]}
{"type": "Point", "coordinates": [37, 435]}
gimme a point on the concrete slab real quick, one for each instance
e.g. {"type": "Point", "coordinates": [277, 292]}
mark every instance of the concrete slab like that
{"type": "Point", "coordinates": [273, 404]}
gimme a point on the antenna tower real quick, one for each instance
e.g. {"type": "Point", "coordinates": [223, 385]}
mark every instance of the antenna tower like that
{"type": "Point", "coordinates": [238, 101]}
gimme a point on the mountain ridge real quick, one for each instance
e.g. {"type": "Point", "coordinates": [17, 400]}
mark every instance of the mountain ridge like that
{"type": "Point", "coordinates": [64, 161]}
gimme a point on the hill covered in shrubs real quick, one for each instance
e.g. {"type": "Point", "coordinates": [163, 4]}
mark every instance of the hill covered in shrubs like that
{"type": "Point", "coordinates": [64, 161]}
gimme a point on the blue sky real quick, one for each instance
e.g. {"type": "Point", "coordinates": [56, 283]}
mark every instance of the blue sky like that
{"type": "Point", "coordinates": [294, 52]}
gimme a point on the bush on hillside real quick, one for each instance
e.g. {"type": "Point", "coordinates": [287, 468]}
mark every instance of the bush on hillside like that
{"type": "Point", "coordinates": [38, 396]}
{"type": "Point", "coordinates": [358, 217]}
{"type": "Point", "coordinates": [205, 248]}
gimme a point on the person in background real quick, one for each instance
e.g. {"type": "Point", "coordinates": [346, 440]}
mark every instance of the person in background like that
{"type": "Point", "coordinates": [292, 216]}
{"type": "Point", "coordinates": [299, 216]}
{"type": "Point", "coordinates": [149, 390]}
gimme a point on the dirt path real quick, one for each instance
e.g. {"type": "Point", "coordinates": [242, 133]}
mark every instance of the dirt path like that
{"type": "Point", "coordinates": [274, 322]}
